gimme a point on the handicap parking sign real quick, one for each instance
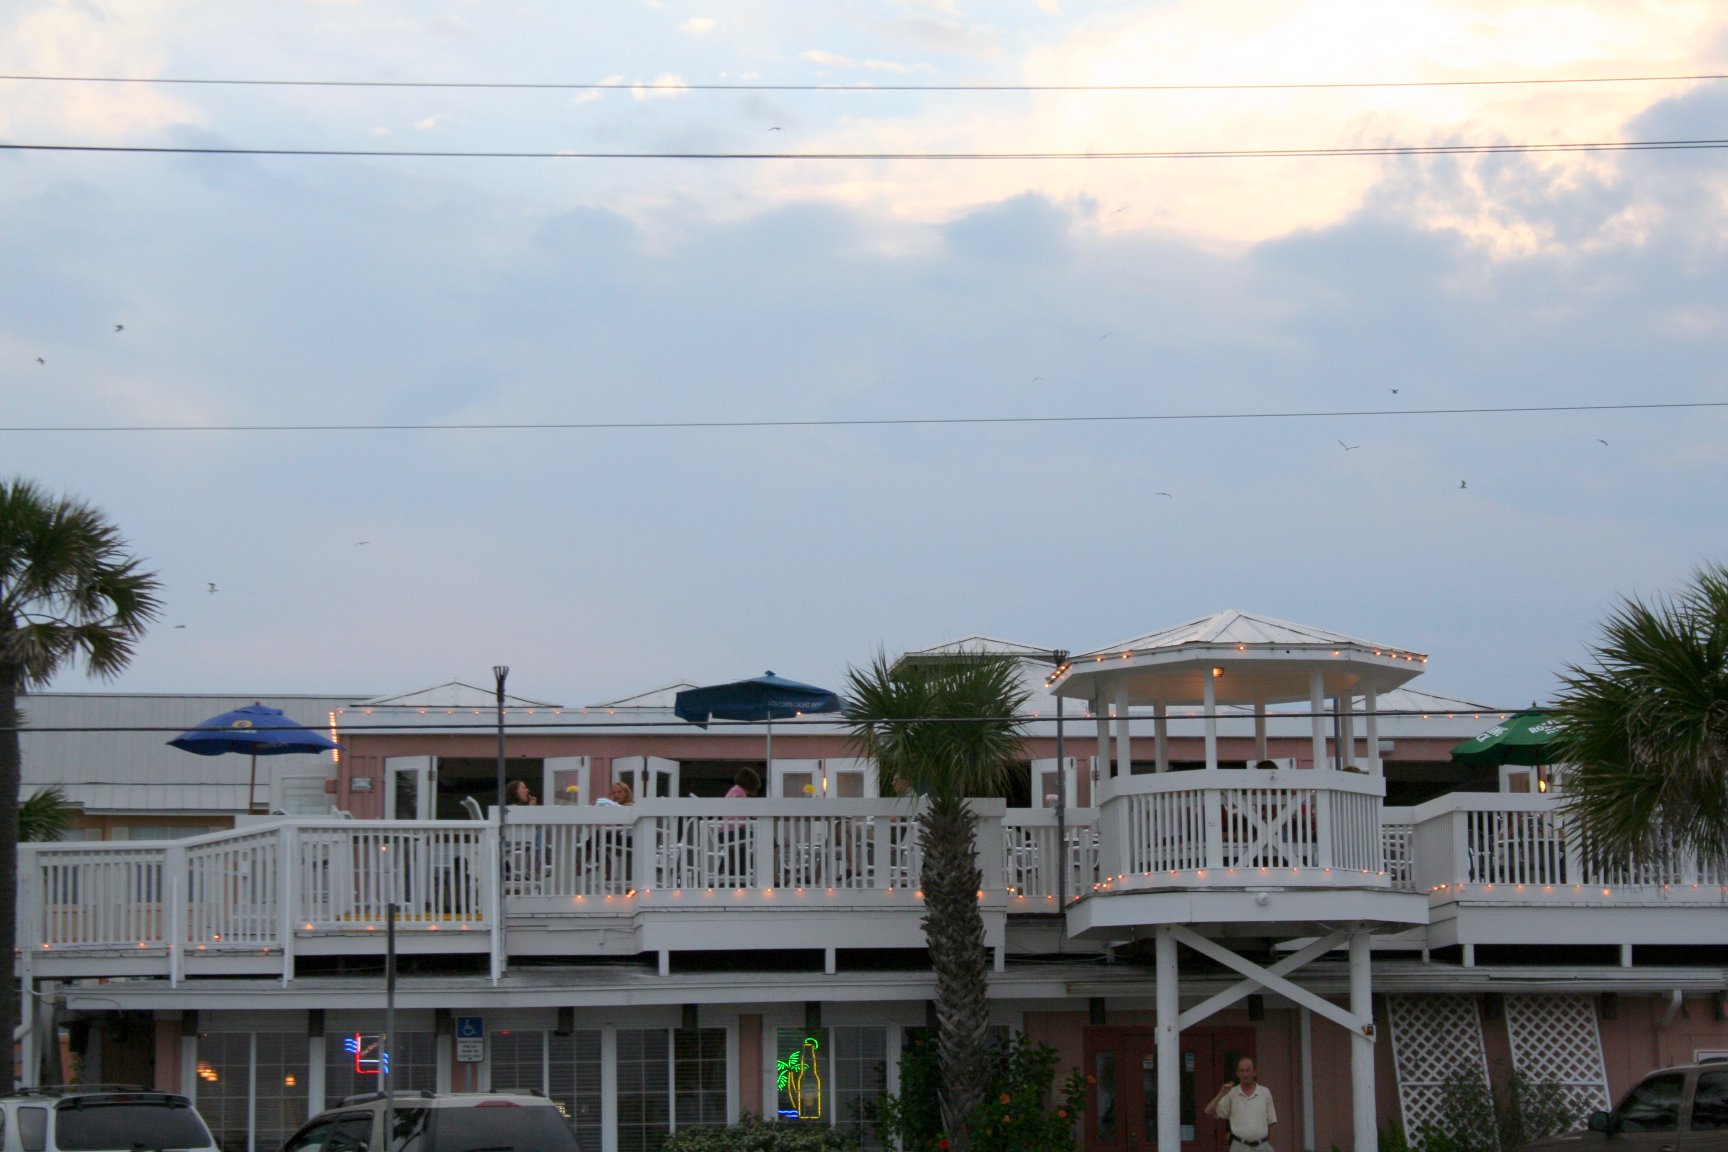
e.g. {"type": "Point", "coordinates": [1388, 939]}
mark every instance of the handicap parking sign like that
{"type": "Point", "coordinates": [470, 1027]}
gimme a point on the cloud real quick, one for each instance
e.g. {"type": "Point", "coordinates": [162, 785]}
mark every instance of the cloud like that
{"type": "Point", "coordinates": [698, 26]}
{"type": "Point", "coordinates": [666, 86]}
{"type": "Point", "coordinates": [429, 123]}
{"type": "Point", "coordinates": [835, 60]}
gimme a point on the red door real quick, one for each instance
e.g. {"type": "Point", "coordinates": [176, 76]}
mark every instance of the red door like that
{"type": "Point", "coordinates": [1122, 1064]}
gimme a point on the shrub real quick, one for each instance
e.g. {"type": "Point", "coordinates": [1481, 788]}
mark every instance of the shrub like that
{"type": "Point", "coordinates": [1474, 1117]}
{"type": "Point", "coordinates": [755, 1135]}
{"type": "Point", "coordinates": [1022, 1110]}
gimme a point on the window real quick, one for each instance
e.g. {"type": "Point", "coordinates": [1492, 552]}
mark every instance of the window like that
{"type": "Point", "coordinates": [239, 1071]}
{"type": "Point", "coordinates": [644, 1089]}
{"type": "Point", "coordinates": [1710, 1102]}
{"type": "Point", "coordinates": [80, 1126]}
{"type": "Point", "coordinates": [699, 1077]}
{"type": "Point", "coordinates": [832, 1076]}
{"type": "Point", "coordinates": [33, 1129]}
{"type": "Point", "coordinates": [573, 1079]}
{"type": "Point", "coordinates": [415, 1068]}
{"type": "Point", "coordinates": [1653, 1106]}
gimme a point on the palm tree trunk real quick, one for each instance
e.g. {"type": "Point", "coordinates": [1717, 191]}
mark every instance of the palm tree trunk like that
{"type": "Point", "coordinates": [10, 776]}
{"type": "Point", "coordinates": [954, 928]}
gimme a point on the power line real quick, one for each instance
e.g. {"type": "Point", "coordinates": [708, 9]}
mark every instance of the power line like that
{"type": "Point", "coordinates": [880, 422]}
{"type": "Point", "coordinates": [658, 86]}
{"type": "Point", "coordinates": [1171, 154]}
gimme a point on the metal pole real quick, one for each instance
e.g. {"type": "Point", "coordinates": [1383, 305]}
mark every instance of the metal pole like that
{"type": "Point", "coordinates": [500, 672]}
{"type": "Point", "coordinates": [389, 1040]}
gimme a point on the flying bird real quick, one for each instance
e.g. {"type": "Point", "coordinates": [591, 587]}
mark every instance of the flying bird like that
{"type": "Point", "coordinates": [1163, 494]}
{"type": "Point", "coordinates": [179, 625]}
{"type": "Point", "coordinates": [39, 360]}
{"type": "Point", "coordinates": [1601, 441]}
{"type": "Point", "coordinates": [119, 327]}
{"type": "Point", "coordinates": [1462, 484]}
{"type": "Point", "coordinates": [358, 543]}
{"type": "Point", "coordinates": [1104, 336]}
{"type": "Point", "coordinates": [776, 128]}
{"type": "Point", "coordinates": [1394, 391]}
{"type": "Point", "coordinates": [1035, 379]}
{"type": "Point", "coordinates": [211, 589]}
{"type": "Point", "coordinates": [1348, 447]}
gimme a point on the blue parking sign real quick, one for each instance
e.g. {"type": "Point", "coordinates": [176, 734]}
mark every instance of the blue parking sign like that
{"type": "Point", "coordinates": [470, 1027]}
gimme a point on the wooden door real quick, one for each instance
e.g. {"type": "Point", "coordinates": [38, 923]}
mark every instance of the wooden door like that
{"type": "Point", "coordinates": [1122, 1064]}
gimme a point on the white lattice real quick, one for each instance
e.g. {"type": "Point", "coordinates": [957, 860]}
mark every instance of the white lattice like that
{"type": "Point", "coordinates": [1555, 1038]}
{"type": "Point", "coordinates": [1433, 1037]}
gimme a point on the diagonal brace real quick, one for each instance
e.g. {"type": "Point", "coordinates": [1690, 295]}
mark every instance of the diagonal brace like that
{"type": "Point", "coordinates": [1266, 978]}
{"type": "Point", "coordinates": [1215, 1004]}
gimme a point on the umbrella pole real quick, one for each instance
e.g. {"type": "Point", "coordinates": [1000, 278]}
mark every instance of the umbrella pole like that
{"type": "Point", "coordinates": [768, 764]}
{"type": "Point", "coordinates": [252, 784]}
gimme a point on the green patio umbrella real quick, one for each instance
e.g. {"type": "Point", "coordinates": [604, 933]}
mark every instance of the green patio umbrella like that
{"type": "Point", "coordinates": [1525, 738]}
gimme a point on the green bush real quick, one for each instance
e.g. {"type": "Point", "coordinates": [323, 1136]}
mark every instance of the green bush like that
{"type": "Point", "coordinates": [1474, 1117]}
{"type": "Point", "coordinates": [756, 1135]}
{"type": "Point", "coordinates": [1023, 1109]}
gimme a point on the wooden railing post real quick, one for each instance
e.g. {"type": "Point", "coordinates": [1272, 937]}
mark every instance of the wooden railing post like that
{"type": "Point", "coordinates": [174, 898]}
{"type": "Point", "coordinates": [288, 895]}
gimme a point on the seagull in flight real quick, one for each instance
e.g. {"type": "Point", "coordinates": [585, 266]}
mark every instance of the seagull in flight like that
{"type": "Point", "coordinates": [1601, 441]}
{"type": "Point", "coordinates": [119, 327]}
{"type": "Point", "coordinates": [210, 589]}
{"type": "Point", "coordinates": [776, 128]}
{"type": "Point", "coordinates": [1105, 336]}
{"type": "Point", "coordinates": [1394, 391]}
{"type": "Point", "coordinates": [1462, 484]}
{"type": "Point", "coordinates": [39, 360]}
{"type": "Point", "coordinates": [179, 625]}
{"type": "Point", "coordinates": [1348, 447]}
{"type": "Point", "coordinates": [1163, 494]}
{"type": "Point", "coordinates": [360, 543]}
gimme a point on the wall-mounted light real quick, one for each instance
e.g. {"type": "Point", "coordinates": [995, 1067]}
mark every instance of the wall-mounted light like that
{"type": "Point", "coordinates": [1217, 672]}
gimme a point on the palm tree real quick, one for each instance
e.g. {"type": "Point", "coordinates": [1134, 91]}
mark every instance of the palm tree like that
{"type": "Point", "coordinates": [45, 816]}
{"type": "Point", "coordinates": [946, 730]}
{"type": "Point", "coordinates": [1644, 728]}
{"type": "Point", "coordinates": [69, 592]}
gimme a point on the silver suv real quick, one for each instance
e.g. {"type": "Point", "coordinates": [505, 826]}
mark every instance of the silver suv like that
{"type": "Point", "coordinates": [101, 1118]}
{"type": "Point", "coordinates": [510, 1121]}
{"type": "Point", "coordinates": [1685, 1108]}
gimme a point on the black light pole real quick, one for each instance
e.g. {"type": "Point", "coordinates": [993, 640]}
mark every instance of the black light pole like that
{"type": "Point", "coordinates": [386, 1072]}
{"type": "Point", "coordinates": [499, 673]}
{"type": "Point", "coordinates": [1059, 657]}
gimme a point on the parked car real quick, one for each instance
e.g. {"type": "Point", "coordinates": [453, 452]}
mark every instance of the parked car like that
{"type": "Point", "coordinates": [512, 1121]}
{"type": "Point", "coordinates": [1680, 1109]}
{"type": "Point", "coordinates": [100, 1118]}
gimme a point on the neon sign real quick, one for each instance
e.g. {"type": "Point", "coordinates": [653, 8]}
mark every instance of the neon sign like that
{"type": "Point", "coordinates": [799, 1076]}
{"type": "Point", "coordinates": [370, 1059]}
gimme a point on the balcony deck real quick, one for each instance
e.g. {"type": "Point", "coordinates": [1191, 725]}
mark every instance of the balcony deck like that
{"type": "Point", "coordinates": [1262, 850]}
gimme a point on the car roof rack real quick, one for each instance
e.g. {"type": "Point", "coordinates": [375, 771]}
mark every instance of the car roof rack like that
{"type": "Point", "coordinates": [72, 1089]}
{"type": "Point", "coordinates": [397, 1093]}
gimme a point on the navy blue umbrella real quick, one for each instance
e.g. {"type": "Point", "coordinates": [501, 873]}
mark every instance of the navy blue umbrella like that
{"type": "Point", "coordinates": [765, 698]}
{"type": "Point", "coordinates": [256, 731]}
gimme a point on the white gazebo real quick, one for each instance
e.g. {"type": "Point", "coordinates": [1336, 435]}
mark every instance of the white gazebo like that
{"type": "Point", "coordinates": [1289, 848]}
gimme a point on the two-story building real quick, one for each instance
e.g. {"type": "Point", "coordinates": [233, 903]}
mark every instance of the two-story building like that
{"type": "Point", "coordinates": [1237, 835]}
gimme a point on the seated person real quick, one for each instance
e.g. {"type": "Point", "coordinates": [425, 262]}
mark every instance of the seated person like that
{"type": "Point", "coordinates": [620, 796]}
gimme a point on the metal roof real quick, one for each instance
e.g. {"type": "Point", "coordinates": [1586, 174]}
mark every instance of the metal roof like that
{"type": "Point", "coordinates": [1233, 626]}
{"type": "Point", "coordinates": [454, 694]}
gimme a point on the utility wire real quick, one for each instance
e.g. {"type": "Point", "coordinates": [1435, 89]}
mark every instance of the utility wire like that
{"type": "Point", "coordinates": [658, 86]}
{"type": "Point", "coordinates": [902, 421]}
{"type": "Point", "coordinates": [1171, 154]}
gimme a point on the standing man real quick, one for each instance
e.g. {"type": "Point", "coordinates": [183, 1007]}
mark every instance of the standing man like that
{"type": "Point", "coordinates": [1246, 1105]}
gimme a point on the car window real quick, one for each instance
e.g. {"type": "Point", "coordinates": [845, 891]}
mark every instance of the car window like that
{"type": "Point", "coordinates": [33, 1129]}
{"type": "Point", "coordinates": [1710, 1102]}
{"type": "Point", "coordinates": [311, 1137]}
{"type": "Point", "coordinates": [353, 1133]}
{"type": "Point", "coordinates": [1653, 1106]}
{"type": "Point", "coordinates": [504, 1128]}
{"type": "Point", "coordinates": [92, 1125]}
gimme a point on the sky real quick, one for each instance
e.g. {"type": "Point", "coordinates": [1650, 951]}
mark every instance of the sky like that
{"type": "Point", "coordinates": [1060, 401]}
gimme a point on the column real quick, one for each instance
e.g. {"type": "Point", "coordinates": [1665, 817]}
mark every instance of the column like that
{"type": "Point", "coordinates": [1367, 1134]}
{"type": "Point", "coordinates": [1347, 730]}
{"type": "Point", "coordinates": [1209, 708]}
{"type": "Point", "coordinates": [1161, 735]}
{"type": "Point", "coordinates": [1371, 721]}
{"type": "Point", "coordinates": [1317, 713]}
{"type": "Point", "coordinates": [1124, 756]}
{"type": "Point", "coordinates": [1101, 712]}
{"type": "Point", "coordinates": [1169, 1005]}
{"type": "Point", "coordinates": [1260, 752]}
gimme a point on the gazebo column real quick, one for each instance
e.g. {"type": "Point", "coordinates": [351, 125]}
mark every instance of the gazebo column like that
{"type": "Point", "coordinates": [1101, 712]}
{"type": "Point", "coordinates": [1371, 721]}
{"type": "Point", "coordinates": [1362, 1043]}
{"type": "Point", "coordinates": [1124, 755]}
{"type": "Point", "coordinates": [1317, 714]}
{"type": "Point", "coordinates": [1209, 706]}
{"type": "Point", "coordinates": [1168, 1002]}
{"type": "Point", "coordinates": [1260, 752]}
{"type": "Point", "coordinates": [1346, 730]}
{"type": "Point", "coordinates": [1161, 734]}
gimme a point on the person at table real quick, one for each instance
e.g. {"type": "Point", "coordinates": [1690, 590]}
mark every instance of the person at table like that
{"type": "Point", "coordinates": [620, 796]}
{"type": "Point", "coordinates": [517, 795]}
{"type": "Point", "coordinates": [744, 784]}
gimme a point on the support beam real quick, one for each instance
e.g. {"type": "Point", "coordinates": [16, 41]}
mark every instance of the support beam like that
{"type": "Point", "coordinates": [1169, 1048]}
{"type": "Point", "coordinates": [1124, 754]}
{"type": "Point", "coordinates": [1271, 982]}
{"type": "Point", "coordinates": [1260, 752]}
{"type": "Point", "coordinates": [1371, 710]}
{"type": "Point", "coordinates": [1222, 1000]}
{"type": "Point", "coordinates": [1101, 713]}
{"type": "Point", "coordinates": [1306, 1019]}
{"type": "Point", "coordinates": [1362, 1043]}
{"type": "Point", "coordinates": [1161, 735]}
{"type": "Point", "coordinates": [1209, 707]}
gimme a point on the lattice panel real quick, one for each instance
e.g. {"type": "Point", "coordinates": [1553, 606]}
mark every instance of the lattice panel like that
{"type": "Point", "coordinates": [1432, 1037]}
{"type": "Point", "coordinates": [1555, 1038]}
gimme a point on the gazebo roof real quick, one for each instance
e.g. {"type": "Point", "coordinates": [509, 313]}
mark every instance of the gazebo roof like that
{"type": "Point", "coordinates": [980, 646]}
{"type": "Point", "coordinates": [455, 694]}
{"type": "Point", "coordinates": [1248, 659]}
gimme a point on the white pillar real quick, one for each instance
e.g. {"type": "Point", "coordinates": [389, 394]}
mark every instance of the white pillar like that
{"type": "Point", "coordinates": [1347, 730]}
{"type": "Point", "coordinates": [1260, 752]}
{"type": "Point", "coordinates": [1367, 1134]}
{"type": "Point", "coordinates": [1169, 1005]}
{"type": "Point", "coordinates": [1371, 720]}
{"type": "Point", "coordinates": [1124, 755]}
{"type": "Point", "coordinates": [1209, 707]}
{"type": "Point", "coordinates": [1101, 712]}
{"type": "Point", "coordinates": [1316, 707]}
{"type": "Point", "coordinates": [1161, 735]}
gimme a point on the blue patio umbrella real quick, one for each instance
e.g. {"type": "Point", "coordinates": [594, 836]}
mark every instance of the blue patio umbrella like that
{"type": "Point", "coordinates": [256, 731]}
{"type": "Point", "coordinates": [766, 698]}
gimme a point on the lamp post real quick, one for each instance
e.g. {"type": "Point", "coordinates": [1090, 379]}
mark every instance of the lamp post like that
{"type": "Point", "coordinates": [1058, 658]}
{"type": "Point", "coordinates": [499, 673]}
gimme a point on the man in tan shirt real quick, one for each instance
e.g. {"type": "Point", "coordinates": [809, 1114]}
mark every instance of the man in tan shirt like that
{"type": "Point", "coordinates": [1246, 1105]}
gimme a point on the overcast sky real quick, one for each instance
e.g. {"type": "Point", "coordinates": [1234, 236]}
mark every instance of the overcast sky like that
{"type": "Point", "coordinates": [272, 291]}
